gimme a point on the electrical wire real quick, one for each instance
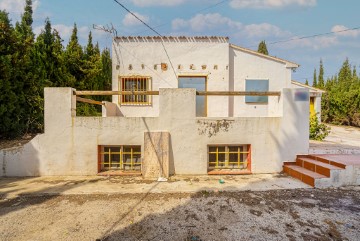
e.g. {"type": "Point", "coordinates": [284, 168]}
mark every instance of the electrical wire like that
{"type": "Point", "coordinates": [310, 36]}
{"type": "Point", "coordinates": [162, 42]}
{"type": "Point", "coordinates": [198, 11]}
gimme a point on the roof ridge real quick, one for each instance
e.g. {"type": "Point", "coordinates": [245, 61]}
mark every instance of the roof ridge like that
{"type": "Point", "coordinates": [290, 63]}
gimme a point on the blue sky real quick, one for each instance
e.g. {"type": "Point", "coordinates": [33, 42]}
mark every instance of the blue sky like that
{"type": "Point", "coordinates": [246, 22]}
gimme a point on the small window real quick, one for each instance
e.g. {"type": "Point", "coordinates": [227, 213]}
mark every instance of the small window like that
{"type": "Point", "coordinates": [258, 86]}
{"type": "Point", "coordinates": [229, 157]}
{"type": "Point", "coordinates": [126, 158]}
{"type": "Point", "coordinates": [135, 84]}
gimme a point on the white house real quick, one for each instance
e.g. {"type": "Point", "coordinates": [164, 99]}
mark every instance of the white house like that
{"type": "Point", "coordinates": [181, 105]}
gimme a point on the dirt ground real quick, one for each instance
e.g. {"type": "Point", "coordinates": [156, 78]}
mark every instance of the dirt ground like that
{"type": "Point", "coordinates": [297, 214]}
{"type": "Point", "coordinates": [341, 140]}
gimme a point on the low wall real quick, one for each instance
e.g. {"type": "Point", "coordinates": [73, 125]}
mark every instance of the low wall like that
{"type": "Point", "coordinates": [69, 145]}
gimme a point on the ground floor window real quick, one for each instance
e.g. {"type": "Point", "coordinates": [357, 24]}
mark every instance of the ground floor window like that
{"type": "Point", "coordinates": [229, 157]}
{"type": "Point", "coordinates": [126, 158]}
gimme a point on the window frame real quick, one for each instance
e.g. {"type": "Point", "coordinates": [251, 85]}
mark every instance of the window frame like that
{"type": "Point", "coordinates": [246, 156]}
{"type": "Point", "coordinates": [145, 100]}
{"type": "Point", "coordinates": [195, 76]}
{"type": "Point", "coordinates": [257, 99]}
{"type": "Point", "coordinates": [104, 158]}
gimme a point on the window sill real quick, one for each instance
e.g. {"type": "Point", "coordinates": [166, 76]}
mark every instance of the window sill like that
{"type": "Point", "coordinates": [119, 173]}
{"type": "Point", "coordinates": [229, 172]}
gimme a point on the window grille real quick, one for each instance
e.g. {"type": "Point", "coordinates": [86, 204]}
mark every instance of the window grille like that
{"type": "Point", "coordinates": [135, 84]}
{"type": "Point", "coordinates": [229, 157]}
{"type": "Point", "coordinates": [126, 158]}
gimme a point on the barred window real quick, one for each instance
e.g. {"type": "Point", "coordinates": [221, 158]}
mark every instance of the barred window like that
{"type": "Point", "coordinates": [229, 157]}
{"type": "Point", "coordinates": [127, 158]}
{"type": "Point", "coordinates": [135, 84]}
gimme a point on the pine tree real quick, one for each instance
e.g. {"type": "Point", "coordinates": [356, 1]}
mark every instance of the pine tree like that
{"type": "Point", "coordinates": [89, 50]}
{"type": "Point", "coordinates": [106, 74]}
{"type": "Point", "coordinates": [11, 97]}
{"type": "Point", "coordinates": [50, 59]}
{"type": "Point", "coordinates": [314, 79]}
{"type": "Point", "coordinates": [306, 82]}
{"type": "Point", "coordinates": [31, 100]}
{"type": "Point", "coordinates": [24, 28]}
{"type": "Point", "coordinates": [74, 60]}
{"type": "Point", "coordinates": [262, 48]}
{"type": "Point", "coordinates": [321, 83]}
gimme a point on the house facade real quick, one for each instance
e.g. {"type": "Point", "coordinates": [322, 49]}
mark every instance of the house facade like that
{"type": "Point", "coordinates": [186, 114]}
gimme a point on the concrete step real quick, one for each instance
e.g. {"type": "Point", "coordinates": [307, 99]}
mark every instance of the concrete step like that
{"type": "Point", "coordinates": [303, 174]}
{"type": "Point", "coordinates": [320, 167]}
{"type": "Point", "coordinates": [324, 159]}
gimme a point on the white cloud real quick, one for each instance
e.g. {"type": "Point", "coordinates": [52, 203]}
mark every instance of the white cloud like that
{"type": "Point", "coordinates": [250, 34]}
{"type": "Point", "coordinates": [179, 23]}
{"type": "Point", "coordinates": [130, 20]}
{"type": "Point", "coordinates": [202, 22]}
{"type": "Point", "coordinates": [168, 3]}
{"type": "Point", "coordinates": [264, 30]}
{"type": "Point", "coordinates": [215, 21]}
{"type": "Point", "coordinates": [269, 4]}
{"type": "Point", "coordinates": [16, 7]}
{"type": "Point", "coordinates": [340, 31]}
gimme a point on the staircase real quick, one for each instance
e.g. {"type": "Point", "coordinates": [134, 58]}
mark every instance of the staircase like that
{"type": "Point", "coordinates": [325, 170]}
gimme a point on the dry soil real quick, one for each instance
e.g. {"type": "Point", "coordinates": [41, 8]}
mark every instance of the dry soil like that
{"type": "Point", "coordinates": [297, 214]}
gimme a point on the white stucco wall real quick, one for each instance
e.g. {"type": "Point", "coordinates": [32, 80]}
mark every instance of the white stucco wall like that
{"type": "Point", "coordinates": [69, 145]}
{"type": "Point", "coordinates": [182, 51]}
{"type": "Point", "coordinates": [249, 66]}
{"type": "Point", "coordinates": [234, 66]}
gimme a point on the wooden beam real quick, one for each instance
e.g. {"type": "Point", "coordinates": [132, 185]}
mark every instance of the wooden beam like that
{"type": "Point", "coordinates": [88, 101]}
{"type": "Point", "coordinates": [240, 93]}
{"type": "Point", "coordinates": [215, 93]}
{"type": "Point", "coordinates": [116, 92]}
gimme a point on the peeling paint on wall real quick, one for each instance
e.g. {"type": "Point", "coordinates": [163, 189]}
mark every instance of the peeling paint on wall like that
{"type": "Point", "coordinates": [212, 127]}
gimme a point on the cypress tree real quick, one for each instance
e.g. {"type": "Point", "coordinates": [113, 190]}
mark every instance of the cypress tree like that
{"type": "Point", "coordinates": [321, 83]}
{"type": "Point", "coordinates": [31, 101]}
{"type": "Point", "coordinates": [74, 60]}
{"type": "Point", "coordinates": [306, 82]}
{"type": "Point", "coordinates": [262, 48]}
{"type": "Point", "coordinates": [11, 108]}
{"type": "Point", "coordinates": [314, 79]}
{"type": "Point", "coordinates": [89, 50]}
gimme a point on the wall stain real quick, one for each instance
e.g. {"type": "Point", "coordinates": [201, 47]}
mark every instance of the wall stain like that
{"type": "Point", "coordinates": [212, 127]}
{"type": "Point", "coordinates": [4, 165]}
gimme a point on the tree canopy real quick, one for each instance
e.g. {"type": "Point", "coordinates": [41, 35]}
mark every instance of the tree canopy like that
{"type": "Point", "coordinates": [262, 48]}
{"type": "Point", "coordinates": [28, 64]}
{"type": "Point", "coordinates": [341, 102]}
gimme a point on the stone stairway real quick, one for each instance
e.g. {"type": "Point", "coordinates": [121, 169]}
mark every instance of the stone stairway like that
{"type": "Point", "coordinates": [325, 170]}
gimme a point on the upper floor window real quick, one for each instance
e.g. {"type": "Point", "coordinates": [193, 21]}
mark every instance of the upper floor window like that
{"type": "Point", "coordinates": [258, 85]}
{"type": "Point", "coordinates": [137, 83]}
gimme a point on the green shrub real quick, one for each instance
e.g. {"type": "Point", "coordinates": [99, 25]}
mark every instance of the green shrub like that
{"type": "Point", "coordinates": [318, 131]}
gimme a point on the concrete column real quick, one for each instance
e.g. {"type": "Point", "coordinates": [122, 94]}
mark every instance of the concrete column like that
{"type": "Point", "coordinates": [156, 162]}
{"type": "Point", "coordinates": [59, 109]}
{"type": "Point", "coordinates": [178, 103]}
{"type": "Point", "coordinates": [295, 123]}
